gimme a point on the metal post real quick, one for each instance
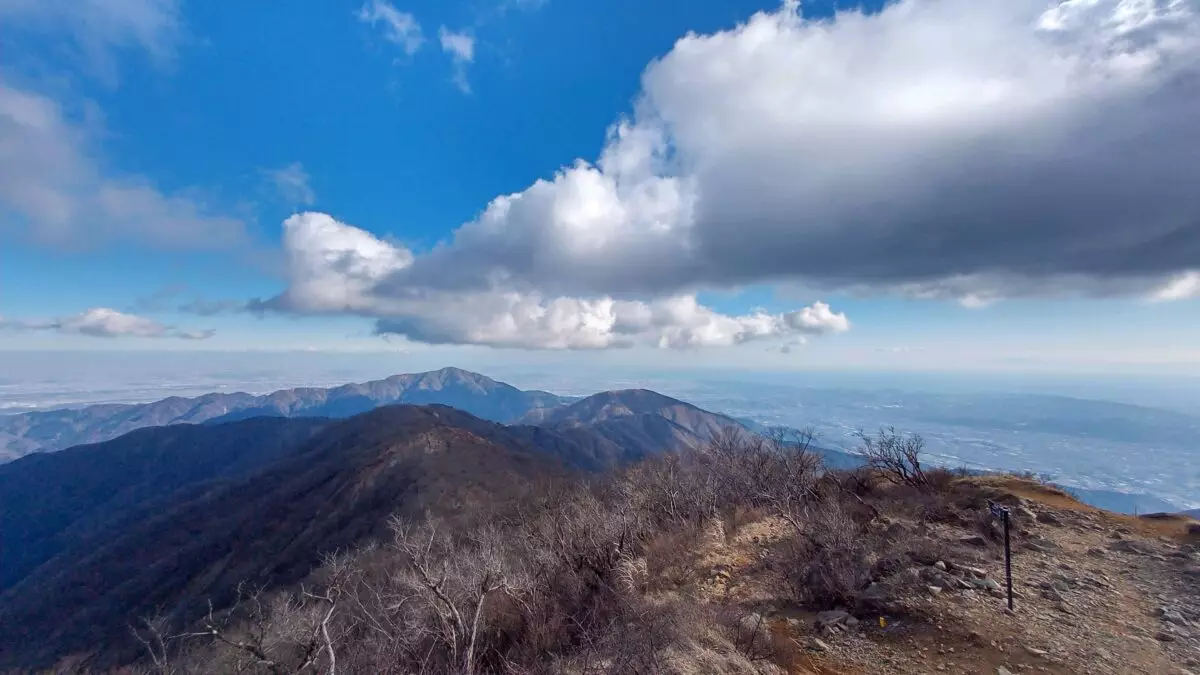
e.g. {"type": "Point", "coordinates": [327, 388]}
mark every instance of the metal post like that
{"type": "Point", "coordinates": [1008, 560]}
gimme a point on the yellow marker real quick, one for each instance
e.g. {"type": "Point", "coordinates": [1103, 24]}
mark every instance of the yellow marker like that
{"type": "Point", "coordinates": [882, 623]}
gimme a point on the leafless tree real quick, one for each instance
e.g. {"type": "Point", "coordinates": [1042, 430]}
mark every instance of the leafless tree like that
{"type": "Point", "coordinates": [897, 457]}
{"type": "Point", "coordinates": [456, 582]}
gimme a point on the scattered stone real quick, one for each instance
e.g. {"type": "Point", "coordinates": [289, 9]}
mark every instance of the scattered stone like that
{"type": "Point", "coordinates": [1053, 594]}
{"type": "Point", "coordinates": [1034, 651]}
{"type": "Point", "coordinates": [1026, 513]}
{"type": "Point", "coordinates": [941, 565]}
{"type": "Point", "coordinates": [1164, 636]}
{"type": "Point", "coordinates": [1126, 546]}
{"type": "Point", "coordinates": [1115, 535]}
{"type": "Point", "coordinates": [934, 590]}
{"type": "Point", "coordinates": [973, 540]}
{"type": "Point", "coordinates": [816, 645]}
{"type": "Point", "coordinates": [1001, 670]}
{"type": "Point", "coordinates": [1096, 552]}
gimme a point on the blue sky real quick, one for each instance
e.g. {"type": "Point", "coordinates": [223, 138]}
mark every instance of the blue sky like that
{"type": "Point", "coordinates": [910, 187]}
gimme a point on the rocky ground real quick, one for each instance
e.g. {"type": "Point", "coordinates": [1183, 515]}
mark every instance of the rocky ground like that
{"type": "Point", "coordinates": [1095, 592]}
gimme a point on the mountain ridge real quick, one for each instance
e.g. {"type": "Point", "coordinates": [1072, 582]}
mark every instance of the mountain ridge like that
{"type": "Point", "coordinates": [51, 430]}
{"type": "Point", "coordinates": [271, 526]}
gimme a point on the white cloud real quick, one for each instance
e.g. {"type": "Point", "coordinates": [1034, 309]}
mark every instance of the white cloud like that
{"type": "Point", "coordinates": [106, 323]}
{"type": "Point", "coordinates": [950, 149]}
{"type": "Point", "coordinates": [461, 48]}
{"type": "Point", "coordinates": [292, 182]}
{"type": "Point", "coordinates": [1181, 287]}
{"type": "Point", "coordinates": [55, 189]}
{"type": "Point", "coordinates": [338, 268]}
{"type": "Point", "coordinates": [968, 149]}
{"type": "Point", "coordinates": [399, 28]}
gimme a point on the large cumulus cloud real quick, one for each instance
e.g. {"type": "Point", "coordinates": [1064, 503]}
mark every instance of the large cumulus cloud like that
{"type": "Point", "coordinates": [960, 149]}
{"type": "Point", "coordinates": [944, 147]}
{"type": "Point", "coordinates": [338, 268]}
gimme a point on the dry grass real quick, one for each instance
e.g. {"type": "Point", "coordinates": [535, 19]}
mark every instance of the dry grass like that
{"type": "Point", "coordinates": [1032, 490]}
{"type": "Point", "coordinates": [1173, 526]}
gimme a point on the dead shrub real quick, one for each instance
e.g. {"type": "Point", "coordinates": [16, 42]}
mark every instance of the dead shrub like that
{"type": "Point", "coordinates": [897, 457]}
{"type": "Point", "coordinates": [831, 559]}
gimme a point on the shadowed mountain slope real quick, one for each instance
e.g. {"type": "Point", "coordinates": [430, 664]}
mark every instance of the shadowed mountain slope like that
{"type": "Point", "coordinates": [58, 502]}
{"type": "Point", "coordinates": [335, 492]}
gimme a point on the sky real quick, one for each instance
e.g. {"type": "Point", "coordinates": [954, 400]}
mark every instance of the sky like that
{"type": "Point", "coordinates": [1000, 185]}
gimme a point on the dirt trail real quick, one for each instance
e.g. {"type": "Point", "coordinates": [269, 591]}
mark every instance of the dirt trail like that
{"type": "Point", "coordinates": [1096, 592]}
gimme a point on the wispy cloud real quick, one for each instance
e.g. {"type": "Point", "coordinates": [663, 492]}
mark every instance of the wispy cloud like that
{"type": "Point", "coordinates": [55, 186]}
{"type": "Point", "coordinates": [98, 28]}
{"type": "Point", "coordinates": [399, 28]}
{"type": "Point", "coordinates": [103, 322]}
{"type": "Point", "coordinates": [293, 184]}
{"type": "Point", "coordinates": [202, 307]}
{"type": "Point", "coordinates": [461, 48]}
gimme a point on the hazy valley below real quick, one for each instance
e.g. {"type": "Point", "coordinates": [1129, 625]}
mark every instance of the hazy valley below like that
{"type": "Point", "coordinates": [1041, 425]}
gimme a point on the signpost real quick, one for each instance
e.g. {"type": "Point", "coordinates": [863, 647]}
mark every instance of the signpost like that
{"type": "Point", "coordinates": [1003, 513]}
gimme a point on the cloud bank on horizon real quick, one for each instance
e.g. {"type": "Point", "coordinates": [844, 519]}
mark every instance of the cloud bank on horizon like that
{"type": "Point", "coordinates": [105, 323]}
{"type": "Point", "coordinates": [971, 150]}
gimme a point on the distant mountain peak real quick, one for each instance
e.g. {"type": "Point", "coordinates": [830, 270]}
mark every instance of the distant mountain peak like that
{"type": "Point", "coordinates": [477, 394]}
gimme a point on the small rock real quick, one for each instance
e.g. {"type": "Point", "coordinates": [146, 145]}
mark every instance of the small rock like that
{"type": "Point", "coordinates": [1126, 546]}
{"type": "Point", "coordinates": [1164, 636]}
{"type": "Point", "coordinates": [1034, 651]}
{"type": "Point", "coordinates": [934, 590]}
{"type": "Point", "coordinates": [987, 584]}
{"type": "Point", "coordinates": [1048, 518]}
{"type": "Point", "coordinates": [753, 623]}
{"type": "Point", "coordinates": [832, 617]}
{"type": "Point", "coordinates": [1001, 670]}
{"type": "Point", "coordinates": [941, 565]}
{"type": "Point", "coordinates": [1173, 616]}
{"type": "Point", "coordinates": [1096, 552]}
{"type": "Point", "coordinates": [971, 571]}
{"type": "Point", "coordinates": [1115, 535]}
{"type": "Point", "coordinates": [817, 645]}
{"type": "Point", "coordinates": [973, 540]}
{"type": "Point", "coordinates": [1053, 594]}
